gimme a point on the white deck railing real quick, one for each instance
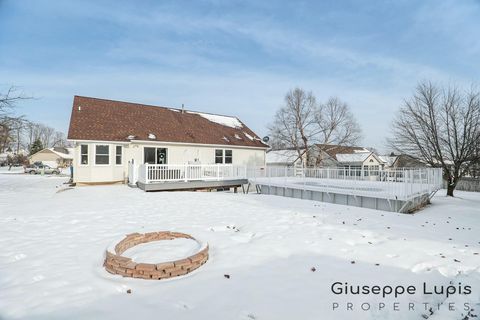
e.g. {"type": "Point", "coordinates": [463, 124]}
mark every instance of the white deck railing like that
{"type": "Point", "coordinates": [151, 173]}
{"type": "Point", "coordinates": [403, 183]}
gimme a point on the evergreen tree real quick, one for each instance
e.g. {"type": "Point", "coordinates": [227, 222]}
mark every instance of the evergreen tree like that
{"type": "Point", "coordinates": [36, 146]}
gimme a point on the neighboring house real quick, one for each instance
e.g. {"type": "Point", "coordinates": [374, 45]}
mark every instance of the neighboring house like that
{"type": "Point", "coordinates": [393, 161]}
{"type": "Point", "coordinates": [407, 161]}
{"type": "Point", "coordinates": [108, 135]}
{"type": "Point", "coordinates": [352, 160]}
{"type": "Point", "coordinates": [54, 157]}
{"type": "Point", "coordinates": [388, 160]}
{"type": "Point", "coordinates": [328, 155]}
{"type": "Point", "coordinates": [285, 158]}
{"type": "Point", "coordinates": [360, 163]}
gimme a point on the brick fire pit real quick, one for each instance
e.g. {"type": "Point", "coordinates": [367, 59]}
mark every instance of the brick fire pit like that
{"type": "Point", "coordinates": [115, 263]}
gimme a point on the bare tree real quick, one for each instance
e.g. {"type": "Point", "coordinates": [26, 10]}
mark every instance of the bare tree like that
{"type": "Point", "coordinates": [47, 135]}
{"type": "Point", "coordinates": [17, 132]}
{"type": "Point", "coordinates": [17, 127]}
{"type": "Point", "coordinates": [59, 139]}
{"type": "Point", "coordinates": [336, 125]}
{"type": "Point", "coordinates": [10, 126]}
{"type": "Point", "coordinates": [294, 123]}
{"type": "Point", "coordinates": [8, 100]}
{"type": "Point", "coordinates": [30, 134]}
{"type": "Point", "coordinates": [301, 123]}
{"type": "Point", "coordinates": [440, 126]}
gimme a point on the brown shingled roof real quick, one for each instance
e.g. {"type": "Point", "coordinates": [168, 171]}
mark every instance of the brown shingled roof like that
{"type": "Point", "coordinates": [108, 120]}
{"type": "Point", "coordinates": [332, 150]}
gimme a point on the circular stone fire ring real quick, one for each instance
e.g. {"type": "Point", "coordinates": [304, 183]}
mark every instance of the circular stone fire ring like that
{"type": "Point", "coordinates": [115, 263]}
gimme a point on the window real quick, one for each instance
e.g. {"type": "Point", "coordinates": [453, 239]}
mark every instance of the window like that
{"type": "Point", "coordinates": [118, 155]}
{"type": "Point", "coordinates": [223, 156]}
{"type": "Point", "coordinates": [366, 171]}
{"type": "Point", "coordinates": [218, 156]}
{"type": "Point", "coordinates": [149, 155]}
{"type": "Point", "coordinates": [102, 155]}
{"type": "Point", "coordinates": [155, 155]}
{"type": "Point", "coordinates": [84, 154]}
{"type": "Point", "coordinates": [228, 156]}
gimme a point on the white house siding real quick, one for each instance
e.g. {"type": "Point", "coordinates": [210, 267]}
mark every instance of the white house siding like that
{"type": "Point", "coordinates": [98, 173]}
{"type": "Point", "coordinates": [372, 161]}
{"type": "Point", "coordinates": [176, 154]}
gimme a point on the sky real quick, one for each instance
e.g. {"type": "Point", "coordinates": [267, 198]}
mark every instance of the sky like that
{"type": "Point", "coordinates": [236, 57]}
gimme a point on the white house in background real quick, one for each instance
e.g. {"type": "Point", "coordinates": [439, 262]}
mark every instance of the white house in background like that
{"type": "Point", "coordinates": [285, 158]}
{"type": "Point", "coordinates": [108, 135]}
{"type": "Point", "coordinates": [388, 160]}
{"type": "Point", "coordinates": [354, 160]}
{"type": "Point", "coordinates": [350, 158]}
{"type": "Point", "coordinates": [54, 157]}
{"type": "Point", "coordinates": [358, 162]}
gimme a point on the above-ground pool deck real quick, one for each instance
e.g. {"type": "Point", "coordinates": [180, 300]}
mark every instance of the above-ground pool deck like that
{"type": "Point", "coordinates": [398, 190]}
{"type": "Point", "coordinates": [192, 185]}
{"type": "Point", "coordinates": [387, 196]}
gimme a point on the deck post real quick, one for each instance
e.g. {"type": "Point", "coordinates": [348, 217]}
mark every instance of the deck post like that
{"type": "Point", "coordinates": [186, 173]}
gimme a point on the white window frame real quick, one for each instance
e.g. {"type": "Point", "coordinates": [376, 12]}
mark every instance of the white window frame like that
{"type": "Point", "coordinates": [223, 156]}
{"type": "Point", "coordinates": [95, 154]}
{"type": "Point", "coordinates": [121, 156]}
{"type": "Point", "coordinates": [88, 155]}
{"type": "Point", "coordinates": [156, 153]}
{"type": "Point", "coordinates": [215, 156]}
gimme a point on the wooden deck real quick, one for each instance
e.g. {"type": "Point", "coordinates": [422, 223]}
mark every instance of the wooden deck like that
{"type": "Point", "coordinates": [191, 185]}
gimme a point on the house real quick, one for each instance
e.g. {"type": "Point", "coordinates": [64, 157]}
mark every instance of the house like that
{"type": "Point", "coordinates": [54, 157]}
{"type": "Point", "coordinates": [345, 156]}
{"type": "Point", "coordinates": [394, 161]}
{"type": "Point", "coordinates": [407, 161]}
{"type": "Point", "coordinates": [388, 160]}
{"type": "Point", "coordinates": [285, 158]}
{"type": "Point", "coordinates": [114, 138]}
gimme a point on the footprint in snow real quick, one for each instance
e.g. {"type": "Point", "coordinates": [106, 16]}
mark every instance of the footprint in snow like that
{"type": "Point", "coordinates": [247, 316]}
{"type": "Point", "coordinates": [38, 277]}
{"type": "Point", "coordinates": [425, 266]}
{"type": "Point", "coordinates": [18, 257]}
{"type": "Point", "coordinates": [182, 305]}
{"type": "Point", "coordinates": [243, 237]}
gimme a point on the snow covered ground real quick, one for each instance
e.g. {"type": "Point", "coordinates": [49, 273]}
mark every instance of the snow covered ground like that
{"type": "Point", "coordinates": [52, 241]}
{"type": "Point", "coordinates": [12, 170]}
